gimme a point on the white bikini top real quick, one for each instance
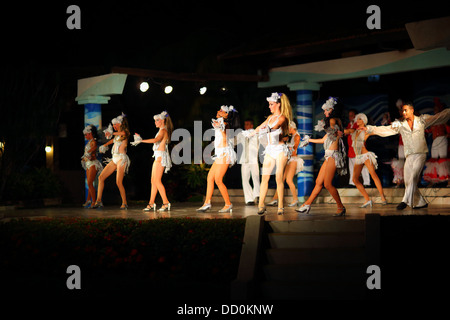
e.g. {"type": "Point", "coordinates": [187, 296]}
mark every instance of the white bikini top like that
{"type": "Point", "coordinates": [219, 127]}
{"type": "Point", "coordinates": [331, 136]}
{"type": "Point", "coordinates": [358, 142]}
{"type": "Point", "coordinates": [87, 149]}
{"type": "Point", "coordinates": [273, 136]}
{"type": "Point", "coordinates": [117, 143]}
{"type": "Point", "coordinates": [157, 144]}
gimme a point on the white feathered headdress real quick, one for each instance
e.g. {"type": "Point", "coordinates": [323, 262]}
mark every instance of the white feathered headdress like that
{"type": "Point", "coordinates": [88, 129]}
{"type": "Point", "coordinates": [329, 104]}
{"type": "Point", "coordinates": [274, 97]}
{"type": "Point", "coordinates": [227, 109]}
{"type": "Point", "coordinates": [161, 116]}
{"type": "Point", "coordinates": [118, 119]}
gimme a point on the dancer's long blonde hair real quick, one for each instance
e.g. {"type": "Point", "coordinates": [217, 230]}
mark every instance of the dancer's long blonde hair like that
{"type": "Point", "coordinates": [286, 111]}
{"type": "Point", "coordinates": [169, 126]}
{"type": "Point", "coordinates": [125, 128]}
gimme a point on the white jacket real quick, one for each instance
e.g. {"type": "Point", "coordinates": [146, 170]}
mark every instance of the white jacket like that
{"type": "Point", "coordinates": [413, 140]}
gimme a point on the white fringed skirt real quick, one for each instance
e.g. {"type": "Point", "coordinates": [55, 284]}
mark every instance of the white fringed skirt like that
{"type": "Point", "coordinates": [361, 158]}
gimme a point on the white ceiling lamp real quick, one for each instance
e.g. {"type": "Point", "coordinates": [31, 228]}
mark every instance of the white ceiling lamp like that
{"type": "Point", "coordinates": [168, 89]}
{"type": "Point", "coordinates": [144, 86]}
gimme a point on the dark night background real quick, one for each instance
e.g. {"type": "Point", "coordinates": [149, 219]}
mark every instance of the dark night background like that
{"type": "Point", "coordinates": [42, 61]}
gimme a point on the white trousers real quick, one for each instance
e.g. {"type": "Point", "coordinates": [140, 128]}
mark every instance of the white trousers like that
{"type": "Point", "coordinates": [364, 173]}
{"type": "Point", "coordinates": [250, 170]}
{"type": "Point", "coordinates": [439, 147]}
{"type": "Point", "coordinates": [412, 172]}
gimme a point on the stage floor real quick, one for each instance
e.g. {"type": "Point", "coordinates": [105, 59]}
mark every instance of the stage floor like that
{"type": "Point", "coordinates": [188, 210]}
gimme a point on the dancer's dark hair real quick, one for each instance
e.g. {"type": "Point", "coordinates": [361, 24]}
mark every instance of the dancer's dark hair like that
{"type": "Point", "coordinates": [335, 114]}
{"type": "Point", "coordinates": [233, 120]}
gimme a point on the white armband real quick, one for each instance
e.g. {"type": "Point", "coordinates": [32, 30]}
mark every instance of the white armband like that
{"type": "Point", "coordinates": [248, 133]}
{"type": "Point", "coordinates": [320, 125]}
{"type": "Point", "coordinates": [103, 148]}
{"type": "Point", "coordinates": [108, 132]}
{"type": "Point", "coordinates": [305, 141]}
{"type": "Point", "coordinates": [218, 124]}
{"type": "Point", "coordinates": [263, 130]}
{"type": "Point", "coordinates": [137, 140]}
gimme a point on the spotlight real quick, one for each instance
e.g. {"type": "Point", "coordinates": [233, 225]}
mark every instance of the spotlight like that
{"type": "Point", "coordinates": [223, 89]}
{"type": "Point", "coordinates": [144, 86]}
{"type": "Point", "coordinates": [203, 90]}
{"type": "Point", "coordinates": [168, 89]}
{"type": "Point", "coordinates": [48, 149]}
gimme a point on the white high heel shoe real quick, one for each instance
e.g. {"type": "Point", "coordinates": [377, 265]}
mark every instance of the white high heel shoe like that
{"type": "Point", "coordinates": [150, 207]}
{"type": "Point", "coordinates": [164, 207]}
{"type": "Point", "coordinates": [87, 204]}
{"type": "Point", "coordinates": [368, 203]}
{"type": "Point", "coordinates": [273, 203]}
{"type": "Point", "coordinates": [229, 209]}
{"type": "Point", "coordinates": [204, 208]}
{"type": "Point", "coordinates": [293, 204]}
{"type": "Point", "coordinates": [304, 208]}
{"type": "Point", "coordinates": [98, 204]}
{"type": "Point", "coordinates": [261, 210]}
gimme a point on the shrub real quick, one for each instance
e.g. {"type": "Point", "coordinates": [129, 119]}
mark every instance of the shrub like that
{"type": "Point", "coordinates": [137, 254]}
{"type": "Point", "coordinates": [33, 183]}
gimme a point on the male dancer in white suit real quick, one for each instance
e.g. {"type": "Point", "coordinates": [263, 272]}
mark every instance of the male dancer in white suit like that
{"type": "Point", "coordinates": [412, 128]}
{"type": "Point", "coordinates": [249, 164]}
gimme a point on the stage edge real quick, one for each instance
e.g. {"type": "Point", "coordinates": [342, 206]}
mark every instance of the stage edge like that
{"type": "Point", "coordinates": [243, 286]}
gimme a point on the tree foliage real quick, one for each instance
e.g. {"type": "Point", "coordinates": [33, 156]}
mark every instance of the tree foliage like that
{"type": "Point", "coordinates": [29, 112]}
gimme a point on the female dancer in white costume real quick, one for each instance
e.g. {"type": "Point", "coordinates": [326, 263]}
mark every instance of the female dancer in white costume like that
{"type": "Point", "coordinates": [293, 166]}
{"type": "Point", "coordinates": [273, 132]}
{"type": "Point", "coordinates": [364, 158]}
{"type": "Point", "coordinates": [119, 161]}
{"type": "Point", "coordinates": [162, 163]}
{"type": "Point", "coordinates": [335, 156]}
{"type": "Point", "coordinates": [90, 163]}
{"type": "Point", "coordinates": [224, 157]}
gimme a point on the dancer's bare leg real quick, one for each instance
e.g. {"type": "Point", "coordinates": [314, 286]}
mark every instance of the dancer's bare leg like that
{"type": "Point", "coordinates": [268, 165]}
{"type": "Point", "coordinates": [106, 172]}
{"type": "Point", "coordinates": [119, 181]}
